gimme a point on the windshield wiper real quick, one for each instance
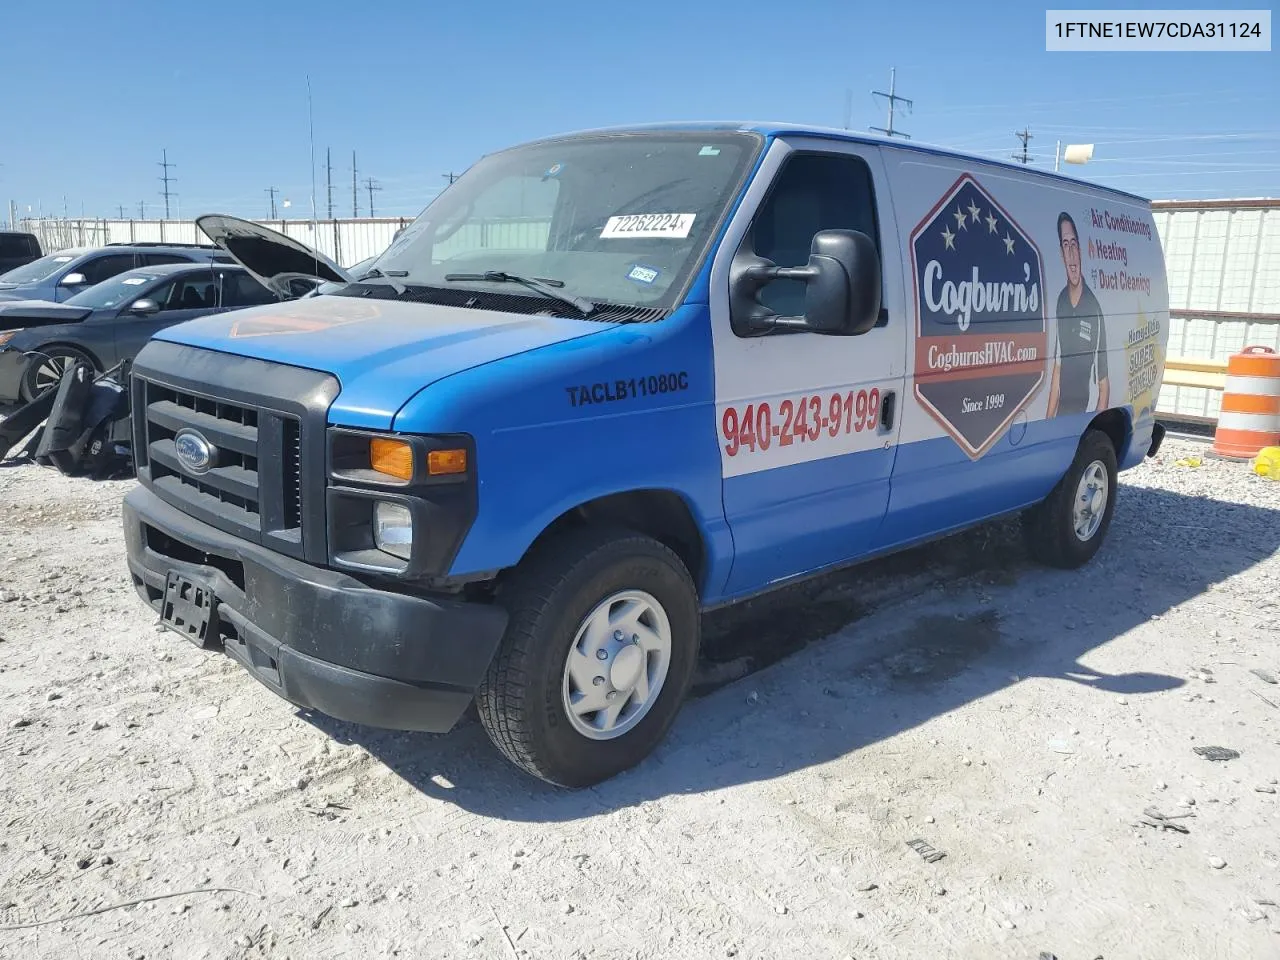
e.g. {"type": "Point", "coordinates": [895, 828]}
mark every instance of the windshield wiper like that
{"type": "Point", "coordinates": [539, 285]}
{"type": "Point", "coordinates": [376, 274]}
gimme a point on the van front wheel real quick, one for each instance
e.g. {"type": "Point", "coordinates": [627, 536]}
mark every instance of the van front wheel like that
{"type": "Point", "coordinates": [598, 655]}
{"type": "Point", "coordinates": [1067, 528]}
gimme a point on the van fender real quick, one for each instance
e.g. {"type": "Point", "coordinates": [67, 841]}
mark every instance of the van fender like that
{"type": "Point", "coordinates": [668, 515]}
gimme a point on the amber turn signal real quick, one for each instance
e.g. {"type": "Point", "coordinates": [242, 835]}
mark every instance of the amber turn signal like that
{"type": "Point", "coordinates": [442, 462]}
{"type": "Point", "coordinates": [392, 457]}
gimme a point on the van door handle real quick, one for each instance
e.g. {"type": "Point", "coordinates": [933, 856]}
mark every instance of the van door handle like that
{"type": "Point", "coordinates": [886, 410]}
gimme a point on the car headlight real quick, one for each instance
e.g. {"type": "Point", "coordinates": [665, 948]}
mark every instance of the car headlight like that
{"type": "Point", "coordinates": [393, 529]}
{"type": "Point", "coordinates": [8, 335]}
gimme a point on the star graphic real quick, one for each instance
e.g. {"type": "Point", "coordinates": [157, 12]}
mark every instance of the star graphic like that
{"type": "Point", "coordinates": [974, 213]}
{"type": "Point", "coordinates": [948, 238]}
{"type": "Point", "coordinates": [1008, 243]}
{"type": "Point", "coordinates": [961, 220]}
{"type": "Point", "coordinates": [991, 223]}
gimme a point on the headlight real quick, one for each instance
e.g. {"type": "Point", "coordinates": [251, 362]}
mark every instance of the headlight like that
{"type": "Point", "coordinates": [393, 529]}
{"type": "Point", "coordinates": [8, 335]}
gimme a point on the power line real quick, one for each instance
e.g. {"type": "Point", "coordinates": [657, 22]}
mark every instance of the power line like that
{"type": "Point", "coordinates": [892, 98]}
{"type": "Point", "coordinates": [1024, 135]}
{"type": "Point", "coordinates": [373, 185]}
{"type": "Point", "coordinates": [166, 180]}
{"type": "Point", "coordinates": [272, 191]}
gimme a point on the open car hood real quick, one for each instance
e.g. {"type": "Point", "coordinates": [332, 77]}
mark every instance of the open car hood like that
{"type": "Point", "coordinates": [274, 259]}
{"type": "Point", "coordinates": [21, 314]}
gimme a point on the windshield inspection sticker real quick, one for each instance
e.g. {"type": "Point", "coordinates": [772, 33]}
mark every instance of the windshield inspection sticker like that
{"type": "Point", "coordinates": [642, 274]}
{"type": "Point", "coordinates": [675, 225]}
{"type": "Point", "coordinates": [709, 152]}
{"type": "Point", "coordinates": [133, 281]}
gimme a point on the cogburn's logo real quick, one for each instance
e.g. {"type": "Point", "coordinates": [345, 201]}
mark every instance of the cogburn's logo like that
{"type": "Point", "coordinates": [980, 316]}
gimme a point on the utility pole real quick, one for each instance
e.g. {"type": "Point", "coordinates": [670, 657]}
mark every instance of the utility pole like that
{"type": "Point", "coordinates": [122, 211]}
{"type": "Point", "coordinates": [848, 108]}
{"type": "Point", "coordinates": [166, 180]}
{"type": "Point", "coordinates": [451, 177]}
{"type": "Point", "coordinates": [328, 168]}
{"type": "Point", "coordinates": [893, 98]}
{"type": "Point", "coordinates": [355, 190]}
{"type": "Point", "coordinates": [272, 191]}
{"type": "Point", "coordinates": [1024, 135]}
{"type": "Point", "coordinates": [142, 209]}
{"type": "Point", "coordinates": [373, 185]}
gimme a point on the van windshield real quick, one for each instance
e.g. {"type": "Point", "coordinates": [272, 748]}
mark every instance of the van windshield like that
{"type": "Point", "coordinates": [612, 218]}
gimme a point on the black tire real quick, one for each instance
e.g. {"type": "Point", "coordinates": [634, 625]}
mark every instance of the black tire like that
{"type": "Point", "coordinates": [551, 593]}
{"type": "Point", "coordinates": [62, 357]}
{"type": "Point", "coordinates": [1049, 529]}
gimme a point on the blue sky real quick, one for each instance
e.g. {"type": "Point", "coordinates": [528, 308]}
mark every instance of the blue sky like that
{"type": "Point", "coordinates": [97, 88]}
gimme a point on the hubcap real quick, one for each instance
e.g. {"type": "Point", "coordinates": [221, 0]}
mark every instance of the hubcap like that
{"type": "Point", "coordinates": [617, 665]}
{"type": "Point", "coordinates": [1091, 501]}
{"type": "Point", "coordinates": [49, 373]}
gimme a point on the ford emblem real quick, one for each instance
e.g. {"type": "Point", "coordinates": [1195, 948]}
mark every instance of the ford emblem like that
{"type": "Point", "coordinates": [196, 454]}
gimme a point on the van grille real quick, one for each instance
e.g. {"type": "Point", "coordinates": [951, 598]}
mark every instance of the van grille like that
{"type": "Point", "coordinates": [234, 493]}
{"type": "Point", "coordinates": [292, 474]}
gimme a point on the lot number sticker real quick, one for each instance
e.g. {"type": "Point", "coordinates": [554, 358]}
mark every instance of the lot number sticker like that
{"type": "Point", "coordinates": [675, 225]}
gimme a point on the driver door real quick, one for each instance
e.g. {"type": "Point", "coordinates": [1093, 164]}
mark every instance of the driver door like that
{"type": "Point", "coordinates": [807, 423]}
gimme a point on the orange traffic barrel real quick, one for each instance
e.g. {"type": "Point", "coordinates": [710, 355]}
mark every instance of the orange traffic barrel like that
{"type": "Point", "coordinates": [1250, 415]}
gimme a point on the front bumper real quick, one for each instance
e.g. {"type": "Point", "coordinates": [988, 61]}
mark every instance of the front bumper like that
{"type": "Point", "coordinates": [321, 639]}
{"type": "Point", "coordinates": [13, 364]}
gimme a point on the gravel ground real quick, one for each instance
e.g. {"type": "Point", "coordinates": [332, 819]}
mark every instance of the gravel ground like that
{"type": "Point", "coordinates": [1032, 725]}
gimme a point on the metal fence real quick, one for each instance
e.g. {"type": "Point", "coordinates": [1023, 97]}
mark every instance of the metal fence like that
{"type": "Point", "coordinates": [347, 242]}
{"type": "Point", "coordinates": [1223, 262]}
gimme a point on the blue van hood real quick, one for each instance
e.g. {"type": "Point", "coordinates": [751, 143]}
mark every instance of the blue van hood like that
{"type": "Point", "coordinates": [381, 351]}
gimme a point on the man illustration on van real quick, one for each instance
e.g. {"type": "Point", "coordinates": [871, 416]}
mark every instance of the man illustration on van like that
{"type": "Point", "coordinates": [1082, 336]}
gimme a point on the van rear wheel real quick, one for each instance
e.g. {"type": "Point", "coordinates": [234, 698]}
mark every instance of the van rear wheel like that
{"type": "Point", "coordinates": [1067, 528]}
{"type": "Point", "coordinates": [598, 655]}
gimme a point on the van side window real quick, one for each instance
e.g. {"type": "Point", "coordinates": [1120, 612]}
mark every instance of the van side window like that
{"type": "Point", "coordinates": [813, 192]}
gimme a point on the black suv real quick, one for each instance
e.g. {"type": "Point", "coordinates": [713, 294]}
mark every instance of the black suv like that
{"type": "Point", "coordinates": [17, 249]}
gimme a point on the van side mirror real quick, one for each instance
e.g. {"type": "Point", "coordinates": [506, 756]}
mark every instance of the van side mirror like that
{"type": "Point", "coordinates": [842, 287]}
{"type": "Point", "coordinates": [144, 307]}
{"type": "Point", "coordinates": [72, 280]}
